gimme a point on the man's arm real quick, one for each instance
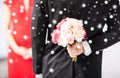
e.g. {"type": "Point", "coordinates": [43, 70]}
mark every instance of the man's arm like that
{"type": "Point", "coordinates": [112, 35]}
{"type": "Point", "coordinates": [39, 26]}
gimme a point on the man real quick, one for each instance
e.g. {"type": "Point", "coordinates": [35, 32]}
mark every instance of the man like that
{"type": "Point", "coordinates": [55, 61]}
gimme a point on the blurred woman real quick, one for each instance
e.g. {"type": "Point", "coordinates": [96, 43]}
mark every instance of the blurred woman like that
{"type": "Point", "coordinates": [17, 27]}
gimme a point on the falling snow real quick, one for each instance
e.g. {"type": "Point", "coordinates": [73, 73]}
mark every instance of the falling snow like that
{"type": "Point", "coordinates": [53, 10]}
{"type": "Point", "coordinates": [13, 14]}
{"type": "Point", "coordinates": [99, 25]}
{"type": "Point", "coordinates": [106, 2]}
{"type": "Point", "coordinates": [54, 21]}
{"type": "Point", "coordinates": [92, 28]}
{"type": "Point", "coordinates": [52, 52]}
{"type": "Point", "coordinates": [97, 52]}
{"type": "Point", "coordinates": [60, 12]}
{"type": "Point", "coordinates": [51, 70]}
{"type": "Point", "coordinates": [90, 41]}
{"type": "Point", "coordinates": [83, 5]}
{"type": "Point", "coordinates": [105, 40]}
{"type": "Point", "coordinates": [11, 61]}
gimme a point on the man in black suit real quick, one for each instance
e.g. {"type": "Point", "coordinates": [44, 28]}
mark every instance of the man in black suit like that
{"type": "Point", "coordinates": [54, 61]}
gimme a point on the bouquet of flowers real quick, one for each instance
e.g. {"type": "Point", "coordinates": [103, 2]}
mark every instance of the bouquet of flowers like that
{"type": "Point", "coordinates": [68, 31]}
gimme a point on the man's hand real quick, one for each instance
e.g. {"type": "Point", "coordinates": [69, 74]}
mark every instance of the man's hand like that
{"type": "Point", "coordinates": [75, 49]}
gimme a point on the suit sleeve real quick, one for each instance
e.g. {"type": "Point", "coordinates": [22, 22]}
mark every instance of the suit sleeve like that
{"type": "Point", "coordinates": [38, 30]}
{"type": "Point", "coordinates": [112, 35]}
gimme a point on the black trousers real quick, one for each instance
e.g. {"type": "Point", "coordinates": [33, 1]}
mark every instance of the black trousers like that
{"type": "Point", "coordinates": [60, 65]}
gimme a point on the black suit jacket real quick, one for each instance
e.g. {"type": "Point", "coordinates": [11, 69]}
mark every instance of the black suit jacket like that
{"type": "Point", "coordinates": [95, 14]}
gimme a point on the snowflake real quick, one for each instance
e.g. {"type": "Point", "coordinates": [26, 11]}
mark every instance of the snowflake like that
{"type": "Point", "coordinates": [11, 60]}
{"type": "Point", "coordinates": [9, 50]}
{"type": "Point", "coordinates": [21, 10]}
{"type": "Point", "coordinates": [21, 7]}
{"type": "Point", "coordinates": [33, 28]}
{"type": "Point", "coordinates": [65, 9]}
{"type": "Point", "coordinates": [51, 2]}
{"type": "Point", "coordinates": [90, 41]}
{"type": "Point", "coordinates": [92, 28]}
{"type": "Point", "coordinates": [88, 18]}
{"type": "Point", "coordinates": [113, 38]}
{"type": "Point", "coordinates": [48, 41]}
{"type": "Point", "coordinates": [10, 1]}
{"type": "Point", "coordinates": [13, 14]}
{"type": "Point", "coordinates": [83, 5]}
{"type": "Point", "coordinates": [85, 22]}
{"type": "Point", "coordinates": [14, 32]}
{"type": "Point", "coordinates": [49, 25]}
{"type": "Point", "coordinates": [94, 19]}
{"type": "Point", "coordinates": [9, 31]}
{"type": "Point", "coordinates": [71, 3]}
{"type": "Point", "coordinates": [54, 21]}
{"type": "Point", "coordinates": [105, 19]}
{"type": "Point", "coordinates": [60, 12]}
{"type": "Point", "coordinates": [114, 6]}
{"type": "Point", "coordinates": [52, 52]}
{"type": "Point", "coordinates": [53, 10]}
{"type": "Point", "coordinates": [89, 12]}
{"type": "Point", "coordinates": [111, 16]}
{"type": "Point", "coordinates": [46, 15]}
{"type": "Point", "coordinates": [15, 21]}
{"type": "Point", "coordinates": [84, 68]}
{"type": "Point", "coordinates": [96, 2]}
{"type": "Point", "coordinates": [97, 52]}
{"type": "Point", "coordinates": [36, 5]}
{"type": "Point", "coordinates": [25, 37]}
{"type": "Point", "coordinates": [79, 75]}
{"type": "Point", "coordinates": [94, 6]}
{"type": "Point", "coordinates": [105, 40]}
{"type": "Point", "coordinates": [26, 18]}
{"type": "Point", "coordinates": [97, 12]}
{"type": "Point", "coordinates": [38, 33]}
{"type": "Point", "coordinates": [33, 18]}
{"type": "Point", "coordinates": [88, 62]}
{"type": "Point", "coordinates": [106, 2]}
{"type": "Point", "coordinates": [99, 26]}
{"type": "Point", "coordinates": [51, 70]}
{"type": "Point", "coordinates": [41, 2]}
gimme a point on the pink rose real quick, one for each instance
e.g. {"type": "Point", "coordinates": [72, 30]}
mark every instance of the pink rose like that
{"type": "Point", "coordinates": [56, 33]}
{"type": "Point", "coordinates": [61, 22]}
{"type": "Point", "coordinates": [55, 36]}
{"type": "Point", "coordinates": [68, 31]}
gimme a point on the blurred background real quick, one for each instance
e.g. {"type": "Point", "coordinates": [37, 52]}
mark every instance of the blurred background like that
{"type": "Point", "coordinates": [3, 46]}
{"type": "Point", "coordinates": [111, 55]}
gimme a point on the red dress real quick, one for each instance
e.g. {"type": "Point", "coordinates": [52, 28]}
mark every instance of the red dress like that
{"type": "Point", "coordinates": [20, 21]}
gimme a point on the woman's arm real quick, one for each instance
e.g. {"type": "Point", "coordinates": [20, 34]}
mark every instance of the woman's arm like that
{"type": "Point", "coordinates": [11, 41]}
